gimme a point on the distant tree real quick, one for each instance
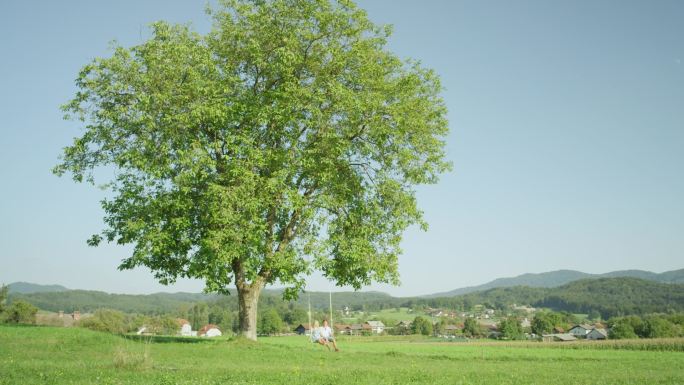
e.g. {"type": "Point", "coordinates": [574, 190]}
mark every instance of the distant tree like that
{"type": "Point", "coordinates": [287, 139]}
{"type": "Point", "coordinates": [4, 291]}
{"type": "Point", "coordinates": [106, 320]}
{"type": "Point", "coordinates": [199, 315]}
{"type": "Point", "coordinates": [676, 318]}
{"type": "Point", "coordinates": [422, 326]}
{"type": "Point", "coordinates": [471, 328]}
{"type": "Point", "coordinates": [440, 326]}
{"type": "Point", "coordinates": [659, 327]}
{"type": "Point", "coordinates": [622, 330]}
{"type": "Point", "coordinates": [296, 316]}
{"type": "Point", "coordinates": [511, 328]}
{"type": "Point", "coordinates": [270, 322]}
{"type": "Point", "coordinates": [594, 315]}
{"type": "Point", "coordinates": [20, 312]}
{"type": "Point", "coordinates": [542, 323]}
{"type": "Point", "coordinates": [221, 317]}
{"type": "Point", "coordinates": [164, 324]}
{"type": "Point", "coordinates": [545, 321]}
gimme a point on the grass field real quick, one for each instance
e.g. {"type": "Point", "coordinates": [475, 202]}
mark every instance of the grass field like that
{"type": "Point", "coordinates": [45, 355]}
{"type": "Point", "coordinates": [396, 315]}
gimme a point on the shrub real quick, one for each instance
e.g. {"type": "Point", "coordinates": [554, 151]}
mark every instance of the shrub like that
{"type": "Point", "coordinates": [421, 326]}
{"type": "Point", "coordinates": [511, 329]}
{"type": "Point", "coordinates": [20, 312]}
{"type": "Point", "coordinates": [106, 320]}
{"type": "Point", "coordinates": [622, 330]}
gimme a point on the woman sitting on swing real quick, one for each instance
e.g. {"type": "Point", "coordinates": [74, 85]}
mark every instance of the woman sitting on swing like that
{"type": "Point", "coordinates": [323, 335]}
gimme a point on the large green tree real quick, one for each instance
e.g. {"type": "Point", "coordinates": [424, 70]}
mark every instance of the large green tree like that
{"type": "Point", "coordinates": [286, 139]}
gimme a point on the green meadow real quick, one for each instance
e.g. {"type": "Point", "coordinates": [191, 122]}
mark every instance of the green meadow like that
{"type": "Point", "coordinates": [46, 355]}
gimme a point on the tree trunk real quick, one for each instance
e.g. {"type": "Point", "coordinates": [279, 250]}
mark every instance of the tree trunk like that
{"type": "Point", "coordinates": [248, 297]}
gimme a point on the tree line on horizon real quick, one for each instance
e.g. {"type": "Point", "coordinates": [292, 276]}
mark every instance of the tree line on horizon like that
{"type": "Point", "coordinates": [608, 297]}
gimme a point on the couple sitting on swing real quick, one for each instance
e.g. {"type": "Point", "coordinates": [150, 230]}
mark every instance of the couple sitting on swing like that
{"type": "Point", "coordinates": [323, 335]}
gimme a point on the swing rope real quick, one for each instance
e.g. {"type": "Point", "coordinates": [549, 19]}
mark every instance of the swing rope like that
{"type": "Point", "coordinates": [332, 325]}
{"type": "Point", "coordinates": [310, 324]}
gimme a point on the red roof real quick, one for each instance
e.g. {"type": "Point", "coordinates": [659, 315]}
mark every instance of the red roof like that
{"type": "Point", "coordinates": [206, 328]}
{"type": "Point", "coordinates": [182, 321]}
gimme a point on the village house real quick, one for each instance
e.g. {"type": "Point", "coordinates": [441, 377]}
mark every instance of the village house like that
{"type": "Point", "coordinates": [185, 328]}
{"type": "Point", "coordinates": [403, 327]}
{"type": "Point", "coordinates": [562, 337]}
{"type": "Point", "coordinates": [597, 334]}
{"type": "Point", "coordinates": [343, 329]}
{"type": "Point", "coordinates": [581, 330]}
{"type": "Point", "coordinates": [525, 323]}
{"type": "Point", "coordinates": [209, 330]}
{"type": "Point", "coordinates": [303, 329]}
{"type": "Point", "coordinates": [360, 329]}
{"type": "Point", "coordinates": [377, 327]}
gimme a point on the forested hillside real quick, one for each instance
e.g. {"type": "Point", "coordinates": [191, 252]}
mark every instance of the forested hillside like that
{"type": "Point", "coordinates": [608, 296]}
{"type": "Point", "coordinates": [562, 277]}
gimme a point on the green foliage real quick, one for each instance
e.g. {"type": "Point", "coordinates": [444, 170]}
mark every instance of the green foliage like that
{"type": "Point", "coordinates": [651, 326]}
{"type": "Point", "coordinates": [422, 326]}
{"type": "Point", "coordinates": [270, 322]}
{"type": "Point", "coordinates": [545, 321]}
{"type": "Point", "coordinates": [542, 323]}
{"type": "Point", "coordinates": [221, 317]}
{"type": "Point", "coordinates": [20, 312]}
{"type": "Point", "coordinates": [594, 315]}
{"type": "Point", "coordinates": [439, 326]}
{"type": "Point", "coordinates": [622, 330]}
{"type": "Point", "coordinates": [511, 328]}
{"type": "Point", "coordinates": [4, 290]}
{"type": "Point", "coordinates": [162, 325]}
{"type": "Point", "coordinates": [199, 315]}
{"type": "Point", "coordinates": [107, 320]}
{"type": "Point", "coordinates": [296, 316]}
{"type": "Point", "coordinates": [471, 328]}
{"type": "Point", "coordinates": [659, 327]}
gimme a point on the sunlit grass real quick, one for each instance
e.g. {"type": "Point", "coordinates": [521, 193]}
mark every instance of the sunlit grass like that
{"type": "Point", "coordinates": [45, 355]}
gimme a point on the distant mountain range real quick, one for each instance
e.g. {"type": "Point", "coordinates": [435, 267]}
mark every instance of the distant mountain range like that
{"type": "Point", "coordinates": [27, 288]}
{"type": "Point", "coordinates": [562, 277]}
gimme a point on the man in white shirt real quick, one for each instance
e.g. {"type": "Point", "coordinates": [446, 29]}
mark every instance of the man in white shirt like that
{"type": "Point", "coordinates": [325, 336]}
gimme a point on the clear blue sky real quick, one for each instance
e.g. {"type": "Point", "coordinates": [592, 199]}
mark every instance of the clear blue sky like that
{"type": "Point", "coordinates": [567, 138]}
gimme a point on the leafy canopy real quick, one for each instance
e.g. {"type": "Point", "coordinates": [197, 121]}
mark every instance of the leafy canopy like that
{"type": "Point", "coordinates": [286, 139]}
